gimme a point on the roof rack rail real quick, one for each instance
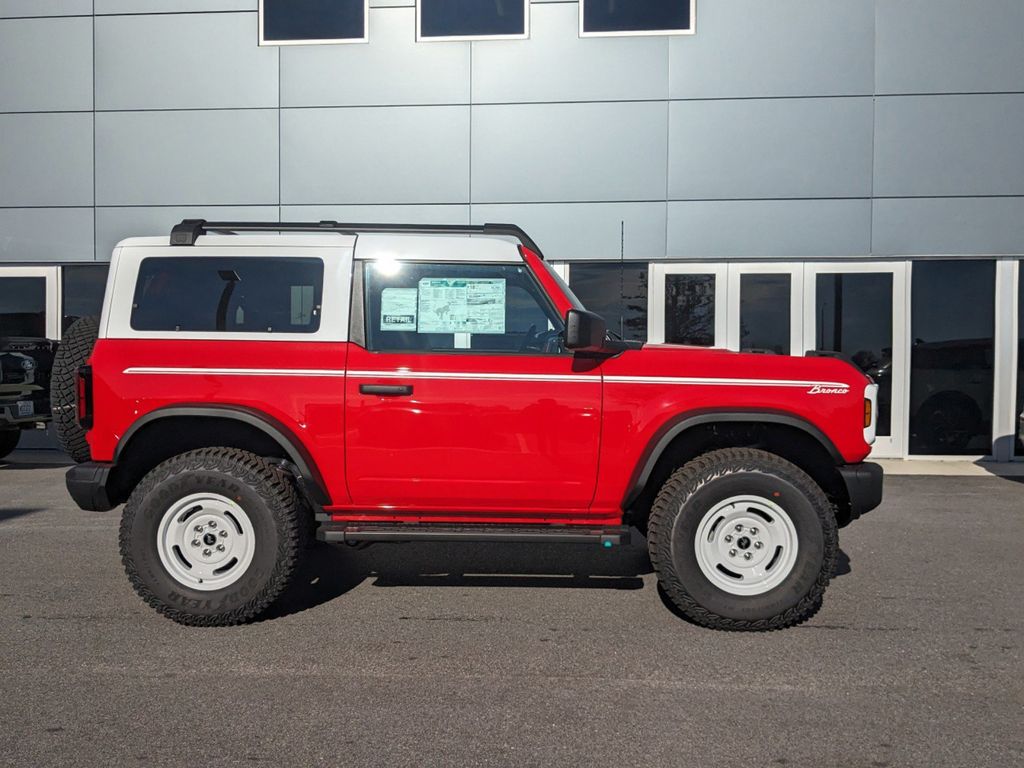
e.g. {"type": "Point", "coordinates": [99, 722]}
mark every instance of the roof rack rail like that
{"type": "Point", "coordinates": [188, 230]}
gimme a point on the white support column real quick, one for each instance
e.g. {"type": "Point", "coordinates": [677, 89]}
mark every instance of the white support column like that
{"type": "Point", "coordinates": [1004, 396]}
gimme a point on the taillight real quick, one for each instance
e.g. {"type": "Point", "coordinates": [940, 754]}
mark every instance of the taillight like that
{"type": "Point", "coordinates": [83, 400]}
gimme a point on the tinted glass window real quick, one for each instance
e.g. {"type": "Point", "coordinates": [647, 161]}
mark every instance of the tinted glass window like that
{"type": "Point", "coordinates": [853, 315]}
{"type": "Point", "coordinates": [23, 306]}
{"type": "Point", "coordinates": [423, 307]}
{"type": "Point", "coordinates": [765, 312]}
{"type": "Point", "coordinates": [233, 295]}
{"type": "Point", "coordinates": [952, 326]}
{"type": "Point", "coordinates": [312, 20]}
{"type": "Point", "coordinates": [617, 292]}
{"type": "Point", "coordinates": [636, 15]}
{"type": "Point", "coordinates": [82, 291]}
{"type": "Point", "coordinates": [690, 310]}
{"type": "Point", "coordinates": [1019, 413]}
{"type": "Point", "coordinates": [472, 18]}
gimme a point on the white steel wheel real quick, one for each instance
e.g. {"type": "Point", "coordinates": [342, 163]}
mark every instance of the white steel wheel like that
{"type": "Point", "coordinates": [746, 545]}
{"type": "Point", "coordinates": [206, 541]}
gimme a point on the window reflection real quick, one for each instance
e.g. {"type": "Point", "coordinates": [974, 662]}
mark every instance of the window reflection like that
{"type": "Point", "coordinates": [853, 315]}
{"type": "Point", "coordinates": [82, 288]}
{"type": "Point", "coordinates": [472, 18]}
{"type": "Point", "coordinates": [765, 313]}
{"type": "Point", "coordinates": [23, 306]}
{"type": "Point", "coordinates": [610, 16]}
{"type": "Point", "coordinates": [690, 310]}
{"type": "Point", "coordinates": [616, 291]}
{"type": "Point", "coordinates": [285, 21]}
{"type": "Point", "coordinates": [951, 379]}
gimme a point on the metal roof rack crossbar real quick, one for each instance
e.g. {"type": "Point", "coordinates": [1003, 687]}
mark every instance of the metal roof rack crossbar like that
{"type": "Point", "coordinates": [188, 230]}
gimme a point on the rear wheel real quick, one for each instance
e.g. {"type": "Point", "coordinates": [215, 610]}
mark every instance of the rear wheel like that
{"type": "Point", "coordinates": [744, 540]}
{"type": "Point", "coordinates": [8, 440]}
{"type": "Point", "coordinates": [212, 537]}
{"type": "Point", "coordinates": [75, 348]}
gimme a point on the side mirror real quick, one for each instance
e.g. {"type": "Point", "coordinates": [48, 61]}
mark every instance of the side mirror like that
{"type": "Point", "coordinates": [584, 331]}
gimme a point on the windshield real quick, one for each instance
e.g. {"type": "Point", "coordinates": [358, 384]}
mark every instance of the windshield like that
{"type": "Point", "coordinates": [573, 299]}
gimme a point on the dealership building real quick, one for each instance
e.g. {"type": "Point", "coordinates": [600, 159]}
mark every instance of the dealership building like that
{"type": "Point", "coordinates": [779, 176]}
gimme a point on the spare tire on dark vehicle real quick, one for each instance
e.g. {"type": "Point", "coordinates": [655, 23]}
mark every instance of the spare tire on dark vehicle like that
{"type": "Point", "coordinates": [74, 350]}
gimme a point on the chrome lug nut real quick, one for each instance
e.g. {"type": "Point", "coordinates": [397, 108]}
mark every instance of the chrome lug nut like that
{"type": "Point", "coordinates": [213, 524]}
{"type": "Point", "coordinates": [728, 538]}
{"type": "Point", "coordinates": [198, 529]}
{"type": "Point", "coordinates": [738, 527]}
{"type": "Point", "coordinates": [732, 553]}
{"type": "Point", "coordinates": [753, 531]}
{"type": "Point", "coordinates": [220, 547]}
{"type": "Point", "coordinates": [758, 545]}
{"type": "Point", "coordinates": [747, 555]}
{"type": "Point", "coordinates": [206, 553]}
{"type": "Point", "coordinates": [195, 542]}
{"type": "Point", "coordinates": [223, 534]}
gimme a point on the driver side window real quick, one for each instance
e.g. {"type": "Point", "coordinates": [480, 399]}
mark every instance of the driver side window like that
{"type": "Point", "coordinates": [415, 306]}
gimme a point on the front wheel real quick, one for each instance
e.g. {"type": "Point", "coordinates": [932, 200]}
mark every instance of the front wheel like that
{"type": "Point", "coordinates": [212, 537]}
{"type": "Point", "coordinates": [742, 539]}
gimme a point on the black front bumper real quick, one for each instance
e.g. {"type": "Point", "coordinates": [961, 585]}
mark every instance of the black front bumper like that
{"type": "Point", "coordinates": [863, 486]}
{"type": "Point", "coordinates": [88, 485]}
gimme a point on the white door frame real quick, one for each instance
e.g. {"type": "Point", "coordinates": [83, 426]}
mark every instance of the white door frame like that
{"type": "Point", "coordinates": [656, 278]}
{"type": "Point", "coordinates": [894, 445]}
{"type": "Point", "coordinates": [51, 275]}
{"type": "Point", "coordinates": [795, 270]}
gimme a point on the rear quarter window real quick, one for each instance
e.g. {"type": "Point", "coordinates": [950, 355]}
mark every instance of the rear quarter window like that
{"type": "Point", "coordinates": [228, 295]}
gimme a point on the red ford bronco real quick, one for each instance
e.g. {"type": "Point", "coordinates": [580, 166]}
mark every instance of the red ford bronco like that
{"type": "Point", "coordinates": [368, 383]}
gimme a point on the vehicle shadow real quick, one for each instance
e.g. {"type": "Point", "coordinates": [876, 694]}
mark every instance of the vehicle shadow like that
{"type": "Point", "coordinates": [331, 571]}
{"type": "Point", "coordinates": [35, 460]}
{"type": "Point", "coordinates": [11, 514]}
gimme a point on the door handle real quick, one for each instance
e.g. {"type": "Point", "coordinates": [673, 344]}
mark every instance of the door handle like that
{"type": "Point", "coordinates": [386, 390]}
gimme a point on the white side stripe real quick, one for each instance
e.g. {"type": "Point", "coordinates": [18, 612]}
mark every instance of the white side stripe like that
{"type": "Point", "coordinates": [237, 371]}
{"type": "Point", "coordinates": [473, 376]}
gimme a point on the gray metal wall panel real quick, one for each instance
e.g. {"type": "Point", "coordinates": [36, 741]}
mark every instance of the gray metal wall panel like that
{"type": "Point", "coordinates": [769, 228]}
{"type": "Point", "coordinates": [57, 54]}
{"type": "Point", "coordinates": [18, 8]}
{"type": "Point", "coordinates": [766, 148]}
{"type": "Point", "coordinates": [778, 48]}
{"type": "Point", "coordinates": [950, 46]}
{"type": "Point", "coordinates": [949, 145]}
{"type": "Point", "coordinates": [183, 61]}
{"type": "Point", "coordinates": [45, 234]}
{"type": "Point", "coordinates": [387, 214]}
{"type": "Point", "coordinates": [46, 159]}
{"type": "Point", "coordinates": [115, 224]}
{"type": "Point", "coordinates": [568, 231]}
{"type": "Point", "coordinates": [221, 157]}
{"type": "Point", "coordinates": [173, 6]}
{"type": "Point", "coordinates": [611, 152]}
{"type": "Point", "coordinates": [391, 69]}
{"type": "Point", "coordinates": [375, 155]}
{"type": "Point", "coordinates": [556, 65]}
{"type": "Point", "coordinates": [959, 225]}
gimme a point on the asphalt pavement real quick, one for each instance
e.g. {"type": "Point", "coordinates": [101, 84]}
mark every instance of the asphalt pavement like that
{"type": "Point", "coordinates": [494, 655]}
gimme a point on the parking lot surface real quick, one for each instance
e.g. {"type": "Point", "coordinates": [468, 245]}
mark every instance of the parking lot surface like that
{"type": "Point", "coordinates": [473, 654]}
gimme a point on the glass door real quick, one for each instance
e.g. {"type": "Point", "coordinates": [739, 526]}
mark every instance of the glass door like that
{"type": "Point", "coordinates": [29, 302]}
{"type": "Point", "coordinates": [688, 304]}
{"type": "Point", "coordinates": [860, 310]}
{"type": "Point", "coordinates": [766, 308]}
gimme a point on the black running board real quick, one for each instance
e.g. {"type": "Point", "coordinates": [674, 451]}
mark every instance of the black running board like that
{"type": "Point", "coordinates": [336, 533]}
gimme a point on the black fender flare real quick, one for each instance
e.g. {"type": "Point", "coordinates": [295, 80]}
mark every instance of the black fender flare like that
{"type": "Point", "coordinates": [684, 421]}
{"type": "Point", "coordinates": [308, 475]}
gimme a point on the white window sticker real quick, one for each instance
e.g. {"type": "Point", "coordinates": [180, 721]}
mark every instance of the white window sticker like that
{"type": "Point", "coordinates": [398, 309]}
{"type": "Point", "coordinates": [451, 305]}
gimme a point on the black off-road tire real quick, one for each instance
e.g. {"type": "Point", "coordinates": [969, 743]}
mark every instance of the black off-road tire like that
{"type": "Point", "coordinates": [9, 440]}
{"type": "Point", "coordinates": [693, 490]}
{"type": "Point", "coordinates": [267, 496]}
{"type": "Point", "coordinates": [74, 349]}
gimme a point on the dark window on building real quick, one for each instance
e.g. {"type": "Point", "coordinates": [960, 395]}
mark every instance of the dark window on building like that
{"type": "Point", "coordinates": [232, 295]}
{"type": "Point", "coordinates": [311, 21]}
{"type": "Point", "coordinates": [765, 313]}
{"type": "Point", "coordinates": [488, 308]}
{"type": "Point", "coordinates": [690, 310]}
{"type": "Point", "coordinates": [853, 315]}
{"type": "Point", "coordinates": [472, 18]}
{"type": "Point", "coordinates": [625, 16]}
{"type": "Point", "coordinates": [1019, 413]}
{"type": "Point", "coordinates": [82, 289]}
{"type": "Point", "coordinates": [951, 362]}
{"type": "Point", "coordinates": [616, 291]}
{"type": "Point", "coordinates": [23, 306]}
